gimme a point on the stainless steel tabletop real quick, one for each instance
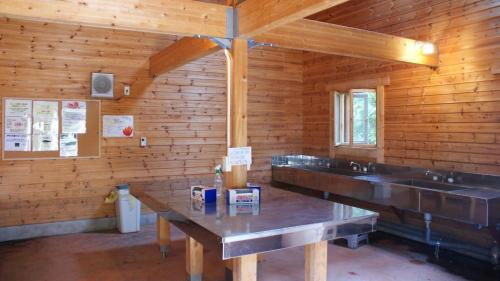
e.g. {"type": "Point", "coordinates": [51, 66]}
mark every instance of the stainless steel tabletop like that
{"type": "Point", "coordinates": [283, 219]}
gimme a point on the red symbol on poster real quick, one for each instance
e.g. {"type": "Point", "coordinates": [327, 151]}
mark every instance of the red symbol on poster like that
{"type": "Point", "coordinates": [128, 131]}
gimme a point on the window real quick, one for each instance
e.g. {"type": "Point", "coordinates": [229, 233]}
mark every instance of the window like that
{"type": "Point", "coordinates": [355, 117]}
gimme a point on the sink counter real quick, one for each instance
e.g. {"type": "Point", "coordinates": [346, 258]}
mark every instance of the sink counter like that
{"type": "Point", "coordinates": [474, 204]}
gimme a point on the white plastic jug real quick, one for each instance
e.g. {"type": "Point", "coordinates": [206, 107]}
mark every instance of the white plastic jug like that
{"type": "Point", "coordinates": [128, 211]}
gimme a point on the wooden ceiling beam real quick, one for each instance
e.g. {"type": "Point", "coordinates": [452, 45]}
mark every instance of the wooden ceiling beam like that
{"type": "Point", "coordinates": [258, 16]}
{"type": "Point", "coordinates": [185, 50]}
{"type": "Point", "coordinates": [340, 40]}
{"type": "Point", "coordinates": [180, 17]}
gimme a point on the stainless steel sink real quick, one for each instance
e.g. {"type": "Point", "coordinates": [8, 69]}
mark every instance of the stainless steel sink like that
{"type": "Point", "coordinates": [430, 185]}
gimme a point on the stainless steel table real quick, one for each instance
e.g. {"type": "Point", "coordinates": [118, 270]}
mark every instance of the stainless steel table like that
{"type": "Point", "coordinates": [282, 220]}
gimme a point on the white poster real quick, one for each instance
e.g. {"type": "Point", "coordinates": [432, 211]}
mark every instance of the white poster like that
{"type": "Point", "coordinates": [69, 145]}
{"type": "Point", "coordinates": [16, 142]}
{"type": "Point", "coordinates": [74, 117]}
{"type": "Point", "coordinates": [17, 125]}
{"type": "Point", "coordinates": [45, 117]}
{"type": "Point", "coordinates": [18, 108]}
{"type": "Point", "coordinates": [118, 126]}
{"type": "Point", "coordinates": [45, 142]}
{"type": "Point", "coordinates": [240, 156]}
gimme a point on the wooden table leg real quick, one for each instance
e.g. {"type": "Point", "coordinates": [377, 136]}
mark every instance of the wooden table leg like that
{"type": "Point", "coordinates": [316, 261]}
{"type": "Point", "coordinates": [245, 268]}
{"type": "Point", "coordinates": [194, 259]}
{"type": "Point", "coordinates": [163, 234]}
{"type": "Point", "coordinates": [228, 266]}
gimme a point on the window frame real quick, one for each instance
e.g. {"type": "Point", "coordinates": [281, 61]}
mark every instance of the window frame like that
{"type": "Point", "coordinates": [334, 107]}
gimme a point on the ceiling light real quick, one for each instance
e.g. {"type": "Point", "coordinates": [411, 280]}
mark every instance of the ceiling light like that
{"type": "Point", "coordinates": [428, 48]}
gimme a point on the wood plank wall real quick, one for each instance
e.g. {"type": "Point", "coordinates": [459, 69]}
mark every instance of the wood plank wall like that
{"type": "Point", "coordinates": [446, 118]}
{"type": "Point", "coordinates": [182, 114]}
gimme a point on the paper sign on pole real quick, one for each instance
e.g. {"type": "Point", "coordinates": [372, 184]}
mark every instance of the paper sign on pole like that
{"type": "Point", "coordinates": [240, 156]}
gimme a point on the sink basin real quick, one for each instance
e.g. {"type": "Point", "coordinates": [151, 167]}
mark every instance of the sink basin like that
{"type": "Point", "coordinates": [430, 185]}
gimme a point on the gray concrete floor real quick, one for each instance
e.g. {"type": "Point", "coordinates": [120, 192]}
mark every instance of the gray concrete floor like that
{"type": "Point", "coordinates": [111, 256]}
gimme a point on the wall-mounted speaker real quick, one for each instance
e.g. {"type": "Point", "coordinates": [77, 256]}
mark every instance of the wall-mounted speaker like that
{"type": "Point", "coordinates": [102, 85]}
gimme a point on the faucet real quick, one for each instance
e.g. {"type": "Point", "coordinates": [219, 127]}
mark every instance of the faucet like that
{"type": "Point", "coordinates": [435, 176]}
{"type": "Point", "coordinates": [355, 166]}
{"type": "Point", "coordinates": [369, 167]}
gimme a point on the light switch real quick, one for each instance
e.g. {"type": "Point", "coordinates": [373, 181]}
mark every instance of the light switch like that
{"type": "Point", "coordinates": [144, 142]}
{"type": "Point", "coordinates": [126, 90]}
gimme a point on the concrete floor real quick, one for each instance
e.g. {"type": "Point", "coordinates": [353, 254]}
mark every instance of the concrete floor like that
{"type": "Point", "coordinates": [111, 256]}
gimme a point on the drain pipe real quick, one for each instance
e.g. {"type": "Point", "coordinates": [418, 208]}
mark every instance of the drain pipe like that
{"type": "Point", "coordinates": [450, 245]}
{"type": "Point", "coordinates": [428, 235]}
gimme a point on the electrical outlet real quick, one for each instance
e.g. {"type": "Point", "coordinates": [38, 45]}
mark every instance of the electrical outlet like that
{"type": "Point", "coordinates": [144, 142]}
{"type": "Point", "coordinates": [126, 90]}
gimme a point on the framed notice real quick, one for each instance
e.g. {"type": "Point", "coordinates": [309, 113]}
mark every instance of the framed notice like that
{"type": "Point", "coordinates": [118, 126]}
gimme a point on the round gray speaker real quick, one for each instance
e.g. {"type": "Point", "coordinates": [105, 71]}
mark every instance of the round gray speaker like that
{"type": "Point", "coordinates": [102, 84]}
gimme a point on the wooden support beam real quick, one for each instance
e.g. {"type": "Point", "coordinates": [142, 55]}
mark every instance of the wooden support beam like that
{"type": "Point", "coordinates": [340, 40]}
{"type": "Point", "coordinates": [163, 234]}
{"type": "Point", "coordinates": [245, 268]}
{"type": "Point", "coordinates": [182, 17]}
{"type": "Point", "coordinates": [239, 85]}
{"type": "Point", "coordinates": [194, 259]}
{"type": "Point", "coordinates": [316, 261]}
{"type": "Point", "coordinates": [258, 16]}
{"type": "Point", "coordinates": [184, 51]}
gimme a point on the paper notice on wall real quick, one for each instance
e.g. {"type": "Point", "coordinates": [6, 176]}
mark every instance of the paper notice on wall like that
{"type": "Point", "coordinates": [17, 142]}
{"type": "Point", "coordinates": [45, 118]}
{"type": "Point", "coordinates": [17, 125]}
{"type": "Point", "coordinates": [74, 117]}
{"type": "Point", "coordinates": [18, 108]}
{"type": "Point", "coordinates": [68, 145]}
{"type": "Point", "coordinates": [118, 126]}
{"type": "Point", "coordinates": [240, 156]}
{"type": "Point", "coordinates": [45, 142]}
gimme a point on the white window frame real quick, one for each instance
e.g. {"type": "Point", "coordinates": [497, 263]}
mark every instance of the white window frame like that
{"type": "Point", "coordinates": [339, 126]}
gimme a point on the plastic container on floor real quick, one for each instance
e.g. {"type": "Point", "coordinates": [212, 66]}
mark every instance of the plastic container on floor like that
{"type": "Point", "coordinates": [128, 211]}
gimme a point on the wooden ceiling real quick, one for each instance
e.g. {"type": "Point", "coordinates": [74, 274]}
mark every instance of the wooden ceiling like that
{"type": "Point", "coordinates": [272, 21]}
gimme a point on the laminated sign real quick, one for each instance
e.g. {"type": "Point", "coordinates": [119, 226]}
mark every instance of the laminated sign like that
{"type": "Point", "coordinates": [116, 126]}
{"type": "Point", "coordinates": [17, 125]}
{"type": "Point", "coordinates": [45, 126]}
{"type": "Point", "coordinates": [74, 117]}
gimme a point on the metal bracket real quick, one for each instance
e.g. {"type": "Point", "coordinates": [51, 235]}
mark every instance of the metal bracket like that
{"type": "Point", "coordinates": [222, 42]}
{"type": "Point", "coordinates": [252, 44]}
{"type": "Point", "coordinates": [232, 23]}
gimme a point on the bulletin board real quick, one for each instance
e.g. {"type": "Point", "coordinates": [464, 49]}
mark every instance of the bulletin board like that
{"type": "Point", "coordinates": [88, 143]}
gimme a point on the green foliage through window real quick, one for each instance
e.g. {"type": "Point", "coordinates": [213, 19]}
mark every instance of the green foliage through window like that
{"type": "Point", "coordinates": [364, 105]}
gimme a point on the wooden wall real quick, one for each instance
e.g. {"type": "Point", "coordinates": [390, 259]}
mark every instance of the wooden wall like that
{"type": "Point", "coordinates": [446, 118]}
{"type": "Point", "coordinates": [182, 114]}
